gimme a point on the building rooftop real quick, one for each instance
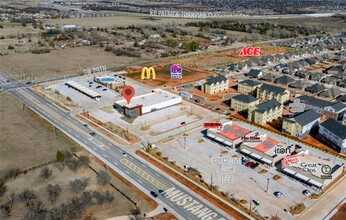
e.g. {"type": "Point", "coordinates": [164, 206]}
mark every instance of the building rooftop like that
{"type": "Point", "coordinates": [314, 101]}
{"type": "Point", "coordinates": [234, 132]}
{"type": "Point", "coordinates": [254, 73]}
{"type": "Point", "coordinates": [335, 127]}
{"type": "Point", "coordinates": [316, 88]}
{"type": "Point", "coordinates": [249, 82]}
{"type": "Point", "coordinates": [338, 106]}
{"type": "Point", "coordinates": [156, 97]}
{"type": "Point", "coordinates": [274, 89]}
{"type": "Point", "coordinates": [215, 79]}
{"type": "Point", "coordinates": [268, 105]}
{"type": "Point", "coordinates": [284, 80]}
{"type": "Point", "coordinates": [306, 117]}
{"type": "Point", "coordinates": [244, 98]}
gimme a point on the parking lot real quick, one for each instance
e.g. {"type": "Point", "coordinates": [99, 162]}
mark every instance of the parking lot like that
{"type": "Point", "coordinates": [226, 171]}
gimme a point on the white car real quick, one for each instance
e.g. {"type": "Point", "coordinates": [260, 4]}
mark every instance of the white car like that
{"type": "Point", "coordinates": [124, 154]}
{"type": "Point", "coordinates": [307, 192]}
{"type": "Point", "coordinates": [278, 194]}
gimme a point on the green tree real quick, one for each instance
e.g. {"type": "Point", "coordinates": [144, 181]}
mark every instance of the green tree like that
{"type": "Point", "coordinates": [60, 156]}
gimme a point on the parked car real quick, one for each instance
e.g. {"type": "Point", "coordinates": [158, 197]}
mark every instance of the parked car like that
{"type": "Point", "coordinates": [85, 125]}
{"type": "Point", "coordinates": [307, 192]}
{"type": "Point", "coordinates": [161, 191]}
{"type": "Point", "coordinates": [104, 89]}
{"type": "Point", "coordinates": [298, 146]}
{"type": "Point", "coordinates": [97, 87]}
{"type": "Point", "coordinates": [165, 209]}
{"type": "Point", "coordinates": [92, 133]}
{"type": "Point", "coordinates": [278, 194]}
{"type": "Point", "coordinates": [254, 165]}
{"type": "Point", "coordinates": [249, 164]}
{"type": "Point", "coordinates": [256, 202]}
{"type": "Point", "coordinates": [244, 160]}
{"type": "Point", "coordinates": [124, 154]}
{"type": "Point", "coordinates": [91, 82]}
{"type": "Point", "coordinates": [89, 85]}
{"type": "Point", "coordinates": [154, 194]}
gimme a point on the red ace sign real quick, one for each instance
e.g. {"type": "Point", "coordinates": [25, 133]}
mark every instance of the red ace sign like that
{"type": "Point", "coordinates": [250, 51]}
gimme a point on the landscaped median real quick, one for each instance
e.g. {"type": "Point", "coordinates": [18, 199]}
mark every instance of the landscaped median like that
{"type": "Point", "coordinates": [229, 205]}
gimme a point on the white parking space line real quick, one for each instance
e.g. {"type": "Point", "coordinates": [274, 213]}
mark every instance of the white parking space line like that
{"type": "Point", "coordinates": [144, 165]}
{"type": "Point", "coordinates": [69, 130]}
{"type": "Point", "coordinates": [120, 150]}
{"type": "Point", "coordinates": [140, 181]}
{"type": "Point", "coordinates": [127, 172]}
{"type": "Point", "coordinates": [115, 163]}
{"type": "Point", "coordinates": [104, 155]}
{"type": "Point", "coordinates": [77, 136]}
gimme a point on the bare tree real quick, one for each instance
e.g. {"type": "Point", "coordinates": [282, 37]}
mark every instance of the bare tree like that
{"type": "Point", "coordinates": [109, 196]}
{"type": "Point", "coordinates": [3, 188]}
{"type": "Point", "coordinates": [12, 173]}
{"type": "Point", "coordinates": [53, 192]}
{"type": "Point", "coordinates": [74, 164]}
{"type": "Point", "coordinates": [36, 210]}
{"type": "Point", "coordinates": [4, 212]}
{"type": "Point", "coordinates": [26, 196]}
{"type": "Point", "coordinates": [78, 185]}
{"type": "Point", "coordinates": [46, 172]}
{"type": "Point", "coordinates": [103, 197]}
{"type": "Point", "coordinates": [104, 177]}
{"type": "Point", "coordinates": [55, 214]}
{"type": "Point", "coordinates": [85, 160]}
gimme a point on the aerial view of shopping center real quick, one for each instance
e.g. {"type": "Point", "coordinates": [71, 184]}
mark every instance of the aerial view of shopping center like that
{"type": "Point", "coordinates": [173, 109]}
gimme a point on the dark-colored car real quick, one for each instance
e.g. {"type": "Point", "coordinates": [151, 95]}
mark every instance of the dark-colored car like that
{"type": "Point", "coordinates": [154, 194]}
{"type": "Point", "coordinates": [92, 133]}
{"type": "Point", "coordinates": [244, 161]}
{"type": "Point", "coordinates": [104, 89]}
{"type": "Point", "coordinates": [298, 146]}
{"type": "Point", "coordinates": [249, 164]}
{"type": "Point", "coordinates": [161, 191]}
{"type": "Point", "coordinates": [165, 209]}
{"type": "Point", "coordinates": [85, 125]}
{"type": "Point", "coordinates": [254, 165]}
{"type": "Point", "coordinates": [217, 109]}
{"type": "Point", "coordinates": [97, 87]}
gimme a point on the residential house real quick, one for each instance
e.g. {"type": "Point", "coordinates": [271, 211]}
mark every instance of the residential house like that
{"type": "Point", "coordinates": [243, 102]}
{"type": "Point", "coordinates": [265, 112]}
{"type": "Point", "coordinates": [253, 73]}
{"type": "Point", "coordinates": [301, 124]}
{"type": "Point", "coordinates": [284, 80]}
{"type": "Point", "coordinates": [330, 93]}
{"type": "Point", "coordinates": [268, 92]}
{"type": "Point", "coordinates": [299, 84]}
{"type": "Point", "coordinates": [316, 88]}
{"type": "Point", "coordinates": [248, 87]}
{"type": "Point", "coordinates": [334, 134]}
{"type": "Point", "coordinates": [215, 84]}
{"type": "Point", "coordinates": [269, 77]}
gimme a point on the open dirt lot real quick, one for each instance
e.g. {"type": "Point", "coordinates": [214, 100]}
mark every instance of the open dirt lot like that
{"type": "Point", "coordinates": [26, 140]}
{"type": "Point", "coordinates": [60, 63]}
{"type": "Point", "coordinates": [163, 76]}
{"type": "Point", "coordinates": [212, 60]}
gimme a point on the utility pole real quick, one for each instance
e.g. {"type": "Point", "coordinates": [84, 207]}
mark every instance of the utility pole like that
{"type": "Point", "coordinates": [211, 181]}
{"type": "Point", "coordinates": [184, 142]}
{"type": "Point", "coordinates": [250, 205]}
{"type": "Point", "coordinates": [267, 184]}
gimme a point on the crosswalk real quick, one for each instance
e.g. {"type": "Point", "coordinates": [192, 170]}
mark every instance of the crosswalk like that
{"type": "Point", "coordinates": [152, 180]}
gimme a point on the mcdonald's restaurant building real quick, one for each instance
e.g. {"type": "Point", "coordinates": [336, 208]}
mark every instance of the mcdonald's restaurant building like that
{"type": "Point", "coordinates": [139, 105]}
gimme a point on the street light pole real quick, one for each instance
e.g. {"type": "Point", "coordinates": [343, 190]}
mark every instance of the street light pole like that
{"type": "Point", "coordinates": [267, 184]}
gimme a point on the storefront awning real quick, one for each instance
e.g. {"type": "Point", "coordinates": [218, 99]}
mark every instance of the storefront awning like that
{"type": "Point", "coordinates": [227, 143]}
{"type": "Point", "coordinates": [219, 139]}
{"type": "Point", "coordinates": [211, 135]}
{"type": "Point", "coordinates": [255, 156]}
{"type": "Point", "coordinates": [300, 176]}
{"type": "Point", "coordinates": [314, 182]}
{"type": "Point", "coordinates": [266, 160]}
{"type": "Point", "coordinates": [245, 151]}
{"type": "Point", "coordinates": [289, 171]}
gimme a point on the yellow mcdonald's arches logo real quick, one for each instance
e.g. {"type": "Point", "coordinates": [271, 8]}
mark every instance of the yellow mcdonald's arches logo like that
{"type": "Point", "coordinates": [148, 71]}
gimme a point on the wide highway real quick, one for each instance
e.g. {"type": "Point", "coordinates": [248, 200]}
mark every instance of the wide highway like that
{"type": "Point", "coordinates": [177, 198]}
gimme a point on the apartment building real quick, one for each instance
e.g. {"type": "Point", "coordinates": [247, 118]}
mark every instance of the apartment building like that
{"type": "Point", "coordinates": [301, 124]}
{"type": "Point", "coordinates": [265, 112]}
{"type": "Point", "coordinates": [242, 102]}
{"type": "Point", "coordinates": [327, 109]}
{"type": "Point", "coordinates": [268, 92]}
{"type": "Point", "coordinates": [248, 87]}
{"type": "Point", "coordinates": [215, 84]}
{"type": "Point", "coordinates": [334, 134]}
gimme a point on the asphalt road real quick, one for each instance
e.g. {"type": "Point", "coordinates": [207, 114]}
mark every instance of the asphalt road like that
{"type": "Point", "coordinates": [185, 205]}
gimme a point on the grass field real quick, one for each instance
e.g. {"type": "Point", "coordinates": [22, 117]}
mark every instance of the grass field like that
{"type": "Point", "coordinates": [26, 140]}
{"type": "Point", "coordinates": [63, 62]}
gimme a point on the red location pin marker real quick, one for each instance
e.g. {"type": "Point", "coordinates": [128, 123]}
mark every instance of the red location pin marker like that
{"type": "Point", "coordinates": [128, 92]}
